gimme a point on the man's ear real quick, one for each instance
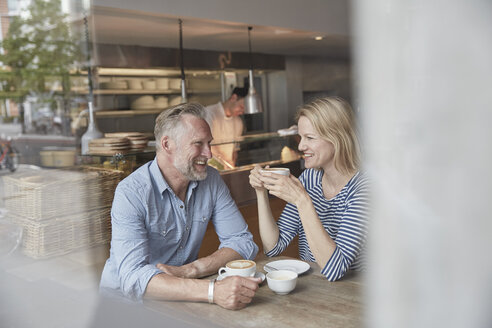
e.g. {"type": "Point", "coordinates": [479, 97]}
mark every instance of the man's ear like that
{"type": "Point", "coordinates": [165, 143]}
{"type": "Point", "coordinates": [234, 97]}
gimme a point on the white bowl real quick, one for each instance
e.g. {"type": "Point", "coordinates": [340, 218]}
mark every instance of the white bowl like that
{"type": "Point", "coordinates": [162, 102]}
{"type": "Point", "coordinates": [175, 84]}
{"type": "Point", "coordinates": [149, 85]}
{"type": "Point", "coordinates": [282, 282]}
{"type": "Point", "coordinates": [175, 100]}
{"type": "Point", "coordinates": [142, 100]}
{"type": "Point", "coordinates": [135, 84]}
{"type": "Point", "coordinates": [162, 83]}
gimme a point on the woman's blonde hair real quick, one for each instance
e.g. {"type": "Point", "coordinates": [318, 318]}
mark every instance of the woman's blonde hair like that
{"type": "Point", "coordinates": [333, 119]}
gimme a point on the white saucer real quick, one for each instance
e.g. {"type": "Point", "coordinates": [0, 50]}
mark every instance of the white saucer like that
{"type": "Point", "coordinates": [293, 265]}
{"type": "Point", "coordinates": [257, 275]}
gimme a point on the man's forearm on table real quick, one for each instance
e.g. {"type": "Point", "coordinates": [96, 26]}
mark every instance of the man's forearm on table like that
{"type": "Point", "coordinates": [167, 287]}
{"type": "Point", "coordinates": [208, 265]}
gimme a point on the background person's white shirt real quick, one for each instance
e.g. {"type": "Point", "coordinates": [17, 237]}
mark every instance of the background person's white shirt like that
{"type": "Point", "coordinates": [224, 129]}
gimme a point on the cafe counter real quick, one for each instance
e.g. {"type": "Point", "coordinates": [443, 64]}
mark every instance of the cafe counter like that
{"type": "Point", "coordinates": [262, 149]}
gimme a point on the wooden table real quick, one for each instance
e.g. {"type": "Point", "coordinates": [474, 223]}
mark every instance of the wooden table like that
{"type": "Point", "coordinates": [315, 302]}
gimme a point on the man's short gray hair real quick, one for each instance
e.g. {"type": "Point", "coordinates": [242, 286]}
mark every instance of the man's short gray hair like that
{"type": "Point", "coordinates": [169, 121]}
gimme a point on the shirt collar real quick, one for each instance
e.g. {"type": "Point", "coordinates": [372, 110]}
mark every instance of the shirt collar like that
{"type": "Point", "coordinates": [161, 182]}
{"type": "Point", "coordinates": [157, 176]}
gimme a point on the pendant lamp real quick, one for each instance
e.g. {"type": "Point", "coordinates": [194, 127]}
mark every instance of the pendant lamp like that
{"type": "Point", "coordinates": [252, 101]}
{"type": "Point", "coordinates": [92, 130]}
{"type": "Point", "coordinates": [183, 82]}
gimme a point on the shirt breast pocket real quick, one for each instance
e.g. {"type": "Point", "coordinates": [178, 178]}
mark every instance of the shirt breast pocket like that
{"type": "Point", "coordinates": [201, 218]}
{"type": "Point", "coordinates": [163, 232]}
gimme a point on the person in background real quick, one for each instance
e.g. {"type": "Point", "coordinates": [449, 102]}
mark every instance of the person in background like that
{"type": "Point", "coordinates": [226, 124]}
{"type": "Point", "coordinates": [328, 205]}
{"type": "Point", "coordinates": [159, 217]}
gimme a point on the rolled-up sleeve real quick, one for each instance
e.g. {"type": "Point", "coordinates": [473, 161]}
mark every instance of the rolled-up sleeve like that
{"type": "Point", "coordinates": [129, 244]}
{"type": "Point", "coordinates": [229, 224]}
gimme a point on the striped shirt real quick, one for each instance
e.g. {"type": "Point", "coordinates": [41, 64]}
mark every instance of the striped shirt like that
{"type": "Point", "coordinates": [344, 217]}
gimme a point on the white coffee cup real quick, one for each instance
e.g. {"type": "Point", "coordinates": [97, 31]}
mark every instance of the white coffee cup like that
{"type": "Point", "coordinates": [282, 282]}
{"type": "Point", "coordinates": [277, 170]}
{"type": "Point", "coordinates": [243, 268]}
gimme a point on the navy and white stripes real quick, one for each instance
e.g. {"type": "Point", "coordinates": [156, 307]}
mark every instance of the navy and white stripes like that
{"type": "Point", "coordinates": [344, 217]}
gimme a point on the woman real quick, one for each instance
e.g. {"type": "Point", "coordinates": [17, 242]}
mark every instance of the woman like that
{"type": "Point", "coordinates": [328, 205]}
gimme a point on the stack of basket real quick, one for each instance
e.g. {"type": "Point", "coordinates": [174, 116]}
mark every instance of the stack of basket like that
{"type": "Point", "coordinates": [61, 210]}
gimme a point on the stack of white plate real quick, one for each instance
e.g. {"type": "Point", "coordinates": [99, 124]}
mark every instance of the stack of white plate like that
{"type": "Point", "coordinates": [175, 100]}
{"type": "Point", "coordinates": [142, 102]}
{"type": "Point", "coordinates": [175, 84]}
{"type": "Point", "coordinates": [161, 102]}
{"type": "Point", "coordinates": [162, 83]}
{"type": "Point", "coordinates": [109, 146]}
{"type": "Point", "coordinates": [149, 84]}
{"type": "Point", "coordinates": [135, 84]}
{"type": "Point", "coordinates": [138, 141]}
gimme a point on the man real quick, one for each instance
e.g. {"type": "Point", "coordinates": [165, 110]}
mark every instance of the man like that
{"type": "Point", "coordinates": [160, 214]}
{"type": "Point", "coordinates": [226, 124]}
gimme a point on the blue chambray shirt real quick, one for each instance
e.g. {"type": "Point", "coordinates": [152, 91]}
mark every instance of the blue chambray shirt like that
{"type": "Point", "coordinates": [151, 225]}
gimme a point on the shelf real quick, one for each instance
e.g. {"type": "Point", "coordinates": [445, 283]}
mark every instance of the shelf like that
{"type": "Point", "coordinates": [148, 150]}
{"type": "Point", "coordinates": [144, 92]}
{"type": "Point", "coordinates": [134, 92]}
{"type": "Point", "coordinates": [153, 72]}
{"type": "Point", "coordinates": [127, 112]}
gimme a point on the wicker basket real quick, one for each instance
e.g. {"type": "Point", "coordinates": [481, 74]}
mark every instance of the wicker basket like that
{"type": "Point", "coordinates": [61, 210]}
{"type": "Point", "coordinates": [44, 194]}
{"type": "Point", "coordinates": [58, 236]}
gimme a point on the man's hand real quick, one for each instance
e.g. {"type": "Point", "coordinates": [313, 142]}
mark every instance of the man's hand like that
{"type": "Point", "coordinates": [184, 271]}
{"type": "Point", "coordinates": [235, 292]}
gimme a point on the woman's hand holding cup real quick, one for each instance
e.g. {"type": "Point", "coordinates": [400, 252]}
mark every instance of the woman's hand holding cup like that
{"type": "Point", "coordinates": [255, 178]}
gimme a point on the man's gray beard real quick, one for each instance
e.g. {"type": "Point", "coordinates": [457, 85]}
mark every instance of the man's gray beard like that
{"type": "Point", "coordinates": [189, 171]}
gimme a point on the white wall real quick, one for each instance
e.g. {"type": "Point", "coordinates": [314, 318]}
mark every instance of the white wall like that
{"type": "Point", "coordinates": [425, 70]}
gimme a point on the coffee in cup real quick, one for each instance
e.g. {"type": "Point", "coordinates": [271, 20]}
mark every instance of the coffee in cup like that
{"type": "Point", "coordinates": [277, 170]}
{"type": "Point", "coordinates": [243, 268]}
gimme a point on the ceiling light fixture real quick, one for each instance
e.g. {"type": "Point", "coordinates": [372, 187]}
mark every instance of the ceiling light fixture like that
{"type": "Point", "coordinates": [252, 101]}
{"type": "Point", "coordinates": [318, 38]}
